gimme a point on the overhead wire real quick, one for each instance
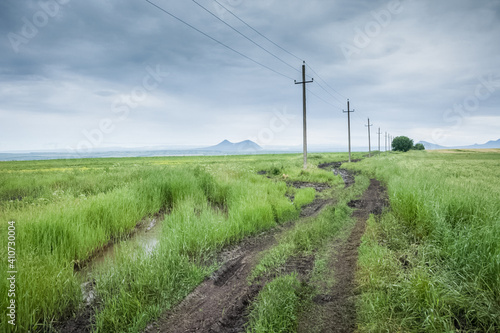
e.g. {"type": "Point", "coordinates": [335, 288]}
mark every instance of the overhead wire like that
{"type": "Point", "coordinates": [258, 32]}
{"type": "Point", "coordinates": [258, 45]}
{"type": "Point", "coordinates": [244, 36]}
{"type": "Point", "coordinates": [329, 93]}
{"type": "Point", "coordinates": [321, 99]}
{"type": "Point", "coordinates": [319, 77]}
{"type": "Point", "coordinates": [216, 40]}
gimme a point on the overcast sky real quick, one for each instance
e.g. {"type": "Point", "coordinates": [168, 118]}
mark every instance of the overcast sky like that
{"type": "Point", "coordinates": [105, 73]}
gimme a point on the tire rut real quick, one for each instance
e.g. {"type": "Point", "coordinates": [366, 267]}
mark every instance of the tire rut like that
{"type": "Point", "coordinates": [337, 309]}
{"type": "Point", "coordinates": [220, 304]}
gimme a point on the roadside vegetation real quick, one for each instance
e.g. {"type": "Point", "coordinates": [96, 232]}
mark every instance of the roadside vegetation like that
{"type": "Point", "coordinates": [67, 211]}
{"type": "Point", "coordinates": [432, 263]}
{"type": "Point", "coordinates": [429, 263]}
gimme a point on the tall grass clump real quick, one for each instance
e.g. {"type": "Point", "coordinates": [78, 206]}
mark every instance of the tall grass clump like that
{"type": "Point", "coordinates": [437, 253]}
{"type": "Point", "coordinates": [276, 308]}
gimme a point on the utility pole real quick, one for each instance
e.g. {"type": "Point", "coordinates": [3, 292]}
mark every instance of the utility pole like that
{"type": "Point", "coordinates": [303, 83]}
{"type": "Point", "coordinates": [369, 142]}
{"type": "Point", "coordinates": [379, 140]}
{"type": "Point", "coordinates": [349, 127]}
{"type": "Point", "coordinates": [386, 142]}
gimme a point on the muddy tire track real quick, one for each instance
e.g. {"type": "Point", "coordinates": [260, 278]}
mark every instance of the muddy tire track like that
{"type": "Point", "coordinates": [347, 175]}
{"type": "Point", "coordinates": [220, 303]}
{"type": "Point", "coordinates": [337, 309]}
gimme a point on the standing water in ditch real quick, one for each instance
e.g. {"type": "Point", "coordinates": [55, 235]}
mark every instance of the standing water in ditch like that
{"type": "Point", "coordinates": [143, 239]}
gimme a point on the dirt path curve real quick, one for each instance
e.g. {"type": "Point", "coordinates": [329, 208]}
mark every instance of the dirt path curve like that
{"type": "Point", "coordinates": [338, 308]}
{"type": "Point", "coordinates": [220, 303]}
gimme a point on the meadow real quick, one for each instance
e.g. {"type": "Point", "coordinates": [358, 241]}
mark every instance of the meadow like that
{"type": "Point", "coordinates": [429, 263]}
{"type": "Point", "coordinates": [66, 211]}
{"type": "Point", "coordinates": [432, 262]}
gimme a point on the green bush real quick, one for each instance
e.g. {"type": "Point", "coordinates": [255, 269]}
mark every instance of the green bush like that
{"type": "Point", "coordinates": [402, 143]}
{"type": "Point", "coordinates": [419, 146]}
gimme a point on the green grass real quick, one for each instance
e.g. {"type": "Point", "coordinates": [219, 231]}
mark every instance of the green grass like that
{"type": "Point", "coordinates": [432, 264]}
{"type": "Point", "coordinates": [277, 307]}
{"type": "Point", "coordinates": [67, 210]}
{"type": "Point", "coordinates": [312, 234]}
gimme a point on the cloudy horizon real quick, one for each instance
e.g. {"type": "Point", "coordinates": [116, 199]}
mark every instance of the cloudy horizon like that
{"type": "Point", "coordinates": [96, 74]}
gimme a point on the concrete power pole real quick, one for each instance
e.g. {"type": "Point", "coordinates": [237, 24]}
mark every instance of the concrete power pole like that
{"type": "Point", "coordinates": [303, 83]}
{"type": "Point", "coordinates": [386, 142]}
{"type": "Point", "coordinates": [349, 127]}
{"type": "Point", "coordinates": [369, 141]}
{"type": "Point", "coordinates": [379, 140]}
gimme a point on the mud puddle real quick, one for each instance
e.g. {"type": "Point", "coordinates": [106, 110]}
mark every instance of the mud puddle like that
{"type": "Point", "coordinates": [145, 236]}
{"type": "Point", "coordinates": [319, 187]}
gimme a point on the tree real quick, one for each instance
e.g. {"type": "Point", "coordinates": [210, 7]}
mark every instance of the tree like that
{"type": "Point", "coordinates": [419, 146]}
{"type": "Point", "coordinates": [402, 143]}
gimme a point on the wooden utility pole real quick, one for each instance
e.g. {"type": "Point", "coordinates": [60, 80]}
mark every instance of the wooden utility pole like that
{"type": "Point", "coordinates": [349, 127]}
{"type": "Point", "coordinates": [379, 140]}
{"type": "Point", "coordinates": [369, 141]}
{"type": "Point", "coordinates": [303, 83]}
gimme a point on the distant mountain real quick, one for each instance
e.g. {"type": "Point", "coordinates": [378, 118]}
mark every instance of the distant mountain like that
{"type": "Point", "coordinates": [229, 147]}
{"type": "Point", "coordinates": [431, 146]}
{"type": "Point", "coordinates": [487, 145]}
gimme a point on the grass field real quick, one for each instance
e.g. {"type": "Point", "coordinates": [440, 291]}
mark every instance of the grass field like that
{"type": "Point", "coordinates": [65, 211]}
{"type": "Point", "coordinates": [430, 263]}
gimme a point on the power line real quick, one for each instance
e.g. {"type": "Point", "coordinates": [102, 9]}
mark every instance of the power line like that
{"type": "Point", "coordinates": [315, 73]}
{"type": "Point", "coordinates": [323, 100]}
{"type": "Point", "coordinates": [255, 43]}
{"type": "Point", "coordinates": [329, 93]}
{"type": "Point", "coordinates": [216, 40]}
{"type": "Point", "coordinates": [248, 25]}
{"type": "Point", "coordinates": [244, 36]}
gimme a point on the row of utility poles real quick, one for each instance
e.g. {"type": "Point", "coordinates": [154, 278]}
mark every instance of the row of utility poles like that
{"type": "Point", "coordinates": [388, 137]}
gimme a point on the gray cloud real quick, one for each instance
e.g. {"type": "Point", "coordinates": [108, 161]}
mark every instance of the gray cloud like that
{"type": "Point", "coordinates": [406, 71]}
